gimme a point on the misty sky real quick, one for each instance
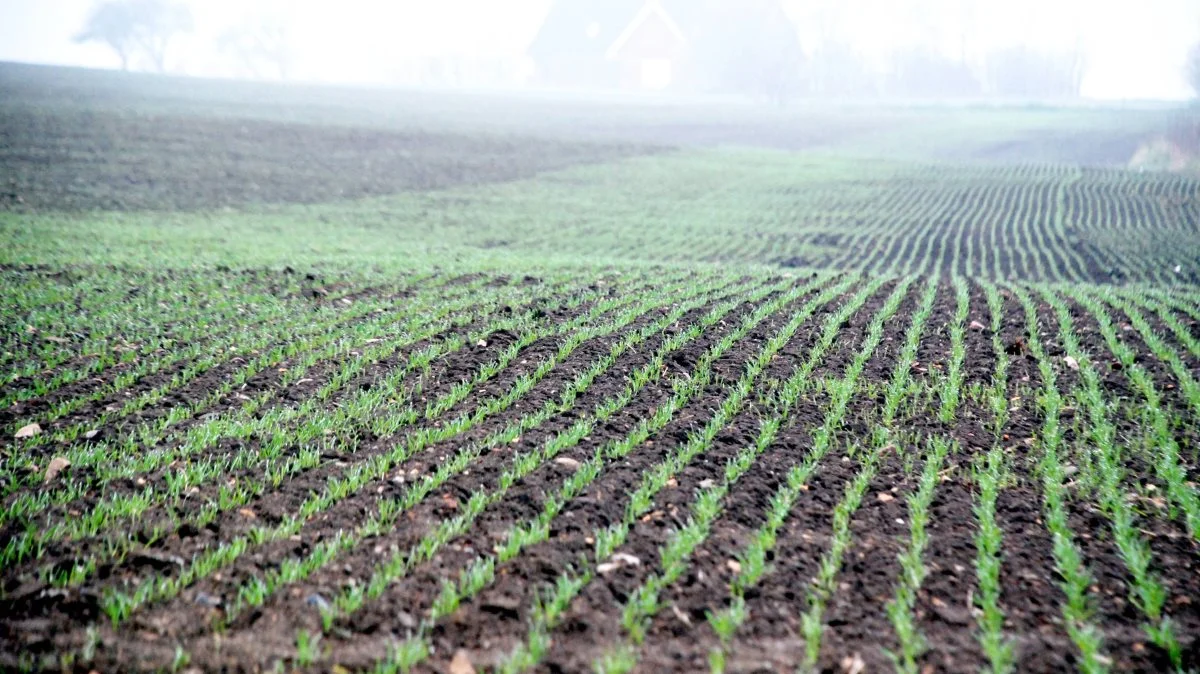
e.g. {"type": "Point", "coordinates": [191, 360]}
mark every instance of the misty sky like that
{"type": "Point", "coordinates": [1133, 49]}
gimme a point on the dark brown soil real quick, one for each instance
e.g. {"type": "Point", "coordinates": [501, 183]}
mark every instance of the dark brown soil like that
{"type": "Point", "coordinates": [445, 371]}
{"type": "Point", "coordinates": [42, 623]}
{"type": "Point", "coordinates": [66, 160]}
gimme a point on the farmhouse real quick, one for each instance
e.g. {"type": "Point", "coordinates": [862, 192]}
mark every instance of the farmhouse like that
{"type": "Point", "coordinates": [634, 45]}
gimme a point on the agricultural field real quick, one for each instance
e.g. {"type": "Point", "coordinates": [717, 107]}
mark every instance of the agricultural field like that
{"type": "Point", "coordinates": [466, 399]}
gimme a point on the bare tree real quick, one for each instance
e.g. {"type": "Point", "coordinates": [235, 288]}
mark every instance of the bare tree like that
{"type": "Point", "coordinates": [160, 22]}
{"type": "Point", "coordinates": [925, 73]}
{"type": "Point", "coordinates": [137, 27]}
{"type": "Point", "coordinates": [261, 45]}
{"type": "Point", "coordinates": [1023, 72]}
{"type": "Point", "coordinates": [113, 24]}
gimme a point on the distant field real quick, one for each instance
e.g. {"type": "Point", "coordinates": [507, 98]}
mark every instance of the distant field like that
{"type": "Point", "coordinates": [343, 380]}
{"type": "Point", "coordinates": [745, 207]}
{"type": "Point", "coordinates": [1088, 135]}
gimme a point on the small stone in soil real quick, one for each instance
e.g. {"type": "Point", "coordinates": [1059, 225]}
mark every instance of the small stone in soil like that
{"type": "Point", "coordinates": [568, 463]}
{"type": "Point", "coordinates": [205, 599]}
{"type": "Point", "coordinates": [317, 601]}
{"type": "Point", "coordinates": [57, 465]}
{"type": "Point", "coordinates": [618, 560]}
{"type": "Point", "coordinates": [27, 431]}
{"type": "Point", "coordinates": [461, 663]}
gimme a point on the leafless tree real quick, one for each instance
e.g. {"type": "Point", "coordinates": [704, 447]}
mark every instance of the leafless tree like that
{"type": "Point", "coordinates": [925, 73]}
{"type": "Point", "coordinates": [1023, 72]}
{"type": "Point", "coordinates": [111, 23]}
{"type": "Point", "coordinates": [137, 27]}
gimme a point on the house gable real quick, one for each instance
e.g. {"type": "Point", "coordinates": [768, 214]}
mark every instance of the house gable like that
{"type": "Point", "coordinates": [625, 44]}
{"type": "Point", "coordinates": [581, 29]}
{"type": "Point", "coordinates": [651, 34]}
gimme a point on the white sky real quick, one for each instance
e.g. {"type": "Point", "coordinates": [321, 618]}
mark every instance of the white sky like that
{"type": "Point", "coordinates": [1134, 49]}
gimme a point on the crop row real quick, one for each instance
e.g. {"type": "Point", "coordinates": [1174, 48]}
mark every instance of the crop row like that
{"type": "Point", "coordinates": [392, 476]}
{"type": "Point", "coordinates": [1022, 223]}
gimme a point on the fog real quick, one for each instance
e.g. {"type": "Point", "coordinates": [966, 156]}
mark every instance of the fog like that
{"type": "Point", "coordinates": [1120, 52]}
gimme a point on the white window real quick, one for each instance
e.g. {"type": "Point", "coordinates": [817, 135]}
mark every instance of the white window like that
{"type": "Point", "coordinates": [656, 74]}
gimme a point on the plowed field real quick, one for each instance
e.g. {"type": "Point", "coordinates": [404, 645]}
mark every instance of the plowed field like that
{"type": "Point", "coordinates": [704, 410]}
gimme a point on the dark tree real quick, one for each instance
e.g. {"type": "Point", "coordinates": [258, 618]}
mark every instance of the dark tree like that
{"type": "Point", "coordinates": [113, 24]}
{"type": "Point", "coordinates": [137, 28]}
